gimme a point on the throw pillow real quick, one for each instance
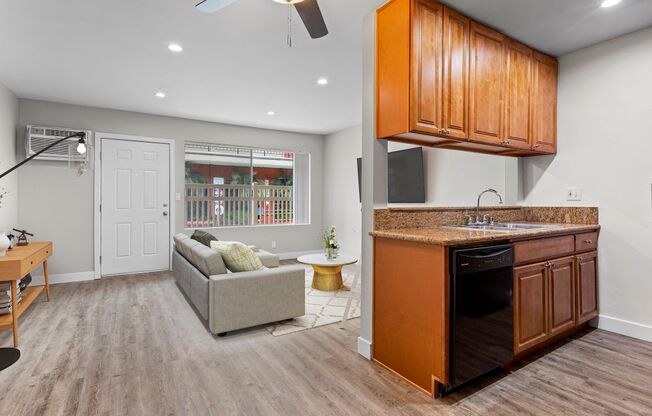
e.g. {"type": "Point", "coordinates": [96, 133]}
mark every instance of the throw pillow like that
{"type": "Point", "coordinates": [237, 256]}
{"type": "Point", "coordinates": [203, 237]}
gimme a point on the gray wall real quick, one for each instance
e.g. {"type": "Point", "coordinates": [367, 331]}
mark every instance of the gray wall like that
{"type": "Point", "coordinates": [342, 208]}
{"type": "Point", "coordinates": [58, 206]}
{"type": "Point", "coordinates": [604, 148]}
{"type": "Point", "coordinates": [8, 120]}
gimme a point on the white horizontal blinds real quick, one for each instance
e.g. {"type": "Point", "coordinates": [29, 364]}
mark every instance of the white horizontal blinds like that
{"type": "Point", "coordinates": [236, 186]}
{"type": "Point", "coordinates": [302, 188]}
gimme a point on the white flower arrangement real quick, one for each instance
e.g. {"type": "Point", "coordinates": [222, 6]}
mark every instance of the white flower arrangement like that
{"type": "Point", "coordinates": [331, 245]}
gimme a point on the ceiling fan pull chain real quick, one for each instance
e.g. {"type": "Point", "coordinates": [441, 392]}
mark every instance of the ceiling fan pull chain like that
{"type": "Point", "coordinates": [289, 39]}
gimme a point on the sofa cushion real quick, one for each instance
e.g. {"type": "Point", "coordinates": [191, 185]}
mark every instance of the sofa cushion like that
{"type": "Point", "coordinates": [178, 243]}
{"type": "Point", "coordinates": [209, 262]}
{"type": "Point", "coordinates": [268, 259]}
{"type": "Point", "coordinates": [203, 237]}
{"type": "Point", "coordinates": [237, 256]}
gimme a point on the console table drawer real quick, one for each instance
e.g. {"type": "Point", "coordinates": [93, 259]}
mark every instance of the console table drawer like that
{"type": "Point", "coordinates": [586, 241]}
{"type": "Point", "coordinates": [544, 248]}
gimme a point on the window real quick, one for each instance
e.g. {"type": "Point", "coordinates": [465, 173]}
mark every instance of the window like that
{"type": "Point", "coordinates": [237, 186]}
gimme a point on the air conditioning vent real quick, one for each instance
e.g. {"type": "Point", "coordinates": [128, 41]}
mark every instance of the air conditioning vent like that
{"type": "Point", "coordinates": [38, 138]}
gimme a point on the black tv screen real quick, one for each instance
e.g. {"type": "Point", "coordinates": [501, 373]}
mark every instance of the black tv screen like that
{"type": "Point", "coordinates": [405, 181]}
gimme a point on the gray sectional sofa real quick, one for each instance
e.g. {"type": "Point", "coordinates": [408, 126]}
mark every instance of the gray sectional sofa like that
{"type": "Point", "coordinates": [229, 301]}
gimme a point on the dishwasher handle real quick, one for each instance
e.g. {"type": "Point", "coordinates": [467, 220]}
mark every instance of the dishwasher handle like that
{"type": "Point", "coordinates": [484, 258]}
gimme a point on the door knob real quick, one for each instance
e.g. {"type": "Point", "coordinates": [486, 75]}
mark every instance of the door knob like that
{"type": "Point", "coordinates": [165, 213]}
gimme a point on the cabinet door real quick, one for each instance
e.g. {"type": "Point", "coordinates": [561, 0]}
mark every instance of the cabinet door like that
{"type": "Point", "coordinates": [530, 306]}
{"type": "Point", "coordinates": [544, 103]}
{"type": "Point", "coordinates": [427, 60]}
{"type": "Point", "coordinates": [456, 74]}
{"type": "Point", "coordinates": [561, 291]}
{"type": "Point", "coordinates": [486, 85]}
{"type": "Point", "coordinates": [518, 69]}
{"type": "Point", "coordinates": [587, 286]}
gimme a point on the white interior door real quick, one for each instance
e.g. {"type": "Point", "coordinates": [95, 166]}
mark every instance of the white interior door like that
{"type": "Point", "coordinates": [135, 200]}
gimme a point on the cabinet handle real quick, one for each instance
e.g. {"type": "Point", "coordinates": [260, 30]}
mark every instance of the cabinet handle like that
{"type": "Point", "coordinates": [580, 258]}
{"type": "Point", "coordinates": [536, 146]}
{"type": "Point", "coordinates": [588, 241]}
{"type": "Point", "coordinates": [551, 265]}
{"type": "Point", "coordinates": [443, 131]}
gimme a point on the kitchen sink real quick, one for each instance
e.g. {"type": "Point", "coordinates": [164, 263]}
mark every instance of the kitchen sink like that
{"type": "Point", "coordinates": [504, 227]}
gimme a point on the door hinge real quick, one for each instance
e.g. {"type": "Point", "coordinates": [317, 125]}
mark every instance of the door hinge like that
{"type": "Point", "coordinates": [100, 259]}
{"type": "Point", "coordinates": [100, 207]}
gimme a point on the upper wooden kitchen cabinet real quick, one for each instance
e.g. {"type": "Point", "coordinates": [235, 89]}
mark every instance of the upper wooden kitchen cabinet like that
{"type": "Point", "coordinates": [487, 84]}
{"type": "Point", "coordinates": [443, 80]}
{"type": "Point", "coordinates": [518, 74]}
{"type": "Point", "coordinates": [543, 111]}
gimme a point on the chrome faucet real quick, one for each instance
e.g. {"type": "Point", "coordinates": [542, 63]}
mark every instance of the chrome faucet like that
{"type": "Point", "coordinates": [485, 219]}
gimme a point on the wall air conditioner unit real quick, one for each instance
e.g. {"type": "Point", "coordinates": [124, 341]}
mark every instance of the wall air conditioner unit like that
{"type": "Point", "coordinates": [39, 137]}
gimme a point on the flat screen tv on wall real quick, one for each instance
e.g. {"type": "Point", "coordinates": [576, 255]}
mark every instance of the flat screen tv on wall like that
{"type": "Point", "coordinates": [405, 181]}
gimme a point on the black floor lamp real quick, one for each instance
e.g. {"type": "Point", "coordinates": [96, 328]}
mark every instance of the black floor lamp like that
{"type": "Point", "coordinates": [8, 356]}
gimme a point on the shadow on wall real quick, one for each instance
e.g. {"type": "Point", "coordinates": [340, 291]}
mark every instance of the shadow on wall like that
{"type": "Point", "coordinates": [532, 173]}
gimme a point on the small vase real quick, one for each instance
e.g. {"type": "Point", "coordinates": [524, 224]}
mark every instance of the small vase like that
{"type": "Point", "coordinates": [4, 244]}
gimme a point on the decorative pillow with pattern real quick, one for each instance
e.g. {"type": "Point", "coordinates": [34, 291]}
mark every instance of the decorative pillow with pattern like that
{"type": "Point", "coordinates": [203, 237]}
{"type": "Point", "coordinates": [237, 256]}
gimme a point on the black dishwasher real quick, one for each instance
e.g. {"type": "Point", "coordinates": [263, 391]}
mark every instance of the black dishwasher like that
{"type": "Point", "coordinates": [481, 311]}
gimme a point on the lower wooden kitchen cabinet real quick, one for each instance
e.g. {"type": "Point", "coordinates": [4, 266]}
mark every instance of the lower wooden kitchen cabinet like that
{"type": "Point", "coordinates": [553, 297]}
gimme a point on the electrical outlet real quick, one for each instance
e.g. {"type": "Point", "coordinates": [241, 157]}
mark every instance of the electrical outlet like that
{"type": "Point", "coordinates": [177, 196]}
{"type": "Point", "coordinates": [274, 244]}
{"type": "Point", "coordinates": [573, 194]}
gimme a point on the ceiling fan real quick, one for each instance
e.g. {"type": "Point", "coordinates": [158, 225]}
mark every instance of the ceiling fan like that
{"type": "Point", "coordinates": [308, 11]}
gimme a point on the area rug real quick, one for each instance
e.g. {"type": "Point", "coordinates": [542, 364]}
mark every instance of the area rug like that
{"type": "Point", "coordinates": [322, 308]}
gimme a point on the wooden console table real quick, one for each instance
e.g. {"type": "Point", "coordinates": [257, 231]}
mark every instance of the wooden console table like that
{"type": "Point", "coordinates": [18, 262]}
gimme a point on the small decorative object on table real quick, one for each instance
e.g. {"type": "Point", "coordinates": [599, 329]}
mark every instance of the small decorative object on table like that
{"type": "Point", "coordinates": [331, 247]}
{"type": "Point", "coordinates": [22, 238]}
{"type": "Point", "coordinates": [5, 243]}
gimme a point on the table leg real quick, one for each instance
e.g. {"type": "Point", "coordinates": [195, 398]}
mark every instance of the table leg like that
{"type": "Point", "coordinates": [45, 277]}
{"type": "Point", "coordinates": [354, 285]}
{"type": "Point", "coordinates": [327, 278]}
{"type": "Point", "coordinates": [14, 314]}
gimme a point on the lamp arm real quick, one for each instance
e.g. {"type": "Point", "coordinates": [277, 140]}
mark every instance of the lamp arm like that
{"type": "Point", "coordinates": [80, 134]}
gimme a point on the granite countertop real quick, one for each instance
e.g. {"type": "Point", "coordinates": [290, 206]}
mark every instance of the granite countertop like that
{"type": "Point", "coordinates": [451, 236]}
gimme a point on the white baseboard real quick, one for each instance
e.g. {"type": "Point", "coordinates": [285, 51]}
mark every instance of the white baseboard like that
{"type": "Point", "coordinates": [37, 279]}
{"type": "Point", "coordinates": [364, 348]}
{"type": "Point", "coordinates": [623, 327]}
{"type": "Point", "coordinates": [294, 254]}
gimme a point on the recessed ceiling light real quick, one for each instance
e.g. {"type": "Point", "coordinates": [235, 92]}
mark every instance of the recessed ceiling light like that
{"type": "Point", "coordinates": [175, 47]}
{"type": "Point", "coordinates": [271, 113]}
{"type": "Point", "coordinates": [609, 3]}
{"type": "Point", "coordinates": [160, 94]}
{"type": "Point", "coordinates": [322, 81]}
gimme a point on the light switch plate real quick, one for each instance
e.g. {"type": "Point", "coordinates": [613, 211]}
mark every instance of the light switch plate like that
{"type": "Point", "coordinates": [573, 194]}
{"type": "Point", "coordinates": [177, 196]}
{"type": "Point", "coordinates": [273, 244]}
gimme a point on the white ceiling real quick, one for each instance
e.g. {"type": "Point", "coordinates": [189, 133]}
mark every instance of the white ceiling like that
{"type": "Point", "coordinates": [236, 65]}
{"type": "Point", "coordinates": [558, 26]}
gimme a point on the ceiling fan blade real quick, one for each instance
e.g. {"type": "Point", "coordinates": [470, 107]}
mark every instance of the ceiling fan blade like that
{"type": "Point", "coordinates": [311, 15]}
{"type": "Point", "coordinates": [211, 6]}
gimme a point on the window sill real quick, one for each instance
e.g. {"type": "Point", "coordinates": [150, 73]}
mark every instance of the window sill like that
{"type": "Point", "coordinates": [228, 227]}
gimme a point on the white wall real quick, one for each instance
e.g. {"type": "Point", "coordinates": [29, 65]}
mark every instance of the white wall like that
{"type": "Point", "coordinates": [58, 206]}
{"type": "Point", "coordinates": [454, 178]}
{"type": "Point", "coordinates": [605, 147]}
{"type": "Point", "coordinates": [8, 120]}
{"type": "Point", "coordinates": [342, 206]}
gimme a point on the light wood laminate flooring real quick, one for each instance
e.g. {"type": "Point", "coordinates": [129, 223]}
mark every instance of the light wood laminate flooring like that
{"type": "Point", "coordinates": [134, 346]}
